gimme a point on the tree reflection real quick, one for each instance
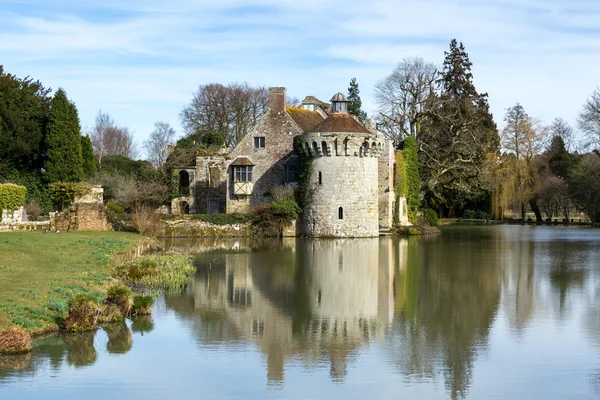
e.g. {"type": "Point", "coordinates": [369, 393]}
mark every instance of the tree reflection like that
{"type": "Point", "coordinates": [80, 349]}
{"type": "Point", "coordinates": [446, 302]}
{"type": "Point", "coordinates": [119, 338]}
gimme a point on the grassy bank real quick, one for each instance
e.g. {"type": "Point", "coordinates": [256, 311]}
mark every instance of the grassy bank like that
{"type": "Point", "coordinates": [40, 272]}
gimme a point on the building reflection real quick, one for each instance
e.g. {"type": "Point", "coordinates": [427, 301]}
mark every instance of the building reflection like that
{"type": "Point", "coordinates": [312, 302]}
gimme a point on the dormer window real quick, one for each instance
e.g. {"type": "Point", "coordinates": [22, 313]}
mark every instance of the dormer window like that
{"type": "Point", "coordinates": [339, 104]}
{"type": "Point", "coordinates": [259, 142]}
{"type": "Point", "coordinates": [309, 107]}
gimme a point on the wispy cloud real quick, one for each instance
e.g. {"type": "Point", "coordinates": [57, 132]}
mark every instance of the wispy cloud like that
{"type": "Point", "coordinates": [141, 60]}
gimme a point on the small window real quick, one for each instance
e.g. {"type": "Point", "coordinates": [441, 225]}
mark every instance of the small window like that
{"type": "Point", "coordinates": [213, 206]}
{"type": "Point", "coordinates": [340, 213]}
{"type": "Point", "coordinates": [291, 173]}
{"type": "Point", "coordinates": [259, 142]}
{"type": "Point", "coordinates": [242, 173]}
{"type": "Point", "coordinates": [320, 178]}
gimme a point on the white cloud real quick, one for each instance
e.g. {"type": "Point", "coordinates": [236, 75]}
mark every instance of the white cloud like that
{"type": "Point", "coordinates": [141, 60]}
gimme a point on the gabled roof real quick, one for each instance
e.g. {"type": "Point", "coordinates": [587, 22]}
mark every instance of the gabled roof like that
{"type": "Point", "coordinates": [305, 119]}
{"type": "Point", "coordinates": [242, 160]}
{"type": "Point", "coordinates": [340, 122]}
{"type": "Point", "coordinates": [313, 100]}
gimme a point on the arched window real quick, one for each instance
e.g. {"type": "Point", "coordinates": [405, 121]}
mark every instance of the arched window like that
{"type": "Point", "coordinates": [340, 213]}
{"type": "Point", "coordinates": [346, 146]}
{"type": "Point", "coordinates": [184, 182]}
{"type": "Point", "coordinates": [184, 207]}
{"type": "Point", "coordinates": [324, 148]}
{"type": "Point", "coordinates": [335, 144]}
{"type": "Point", "coordinates": [316, 148]}
{"type": "Point", "coordinates": [307, 146]}
{"type": "Point", "coordinates": [320, 178]}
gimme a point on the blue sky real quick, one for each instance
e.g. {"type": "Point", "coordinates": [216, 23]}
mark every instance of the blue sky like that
{"type": "Point", "coordinates": [141, 60]}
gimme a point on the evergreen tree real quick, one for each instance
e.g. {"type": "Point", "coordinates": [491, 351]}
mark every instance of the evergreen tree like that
{"type": "Point", "coordinates": [87, 157]}
{"type": "Point", "coordinates": [355, 104]}
{"type": "Point", "coordinates": [457, 133]}
{"type": "Point", "coordinates": [559, 160]}
{"type": "Point", "coordinates": [63, 161]}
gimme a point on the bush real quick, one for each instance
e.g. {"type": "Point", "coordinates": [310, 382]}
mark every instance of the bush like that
{"type": "Point", "coordinates": [482, 215]}
{"type": "Point", "coordinates": [273, 218]}
{"type": "Point", "coordinates": [12, 196]}
{"type": "Point", "coordinates": [142, 305]}
{"type": "Point", "coordinates": [83, 313]}
{"type": "Point", "coordinates": [63, 193]}
{"type": "Point", "coordinates": [469, 214]}
{"type": "Point", "coordinates": [33, 210]}
{"type": "Point", "coordinates": [120, 295]}
{"type": "Point", "coordinates": [116, 208]}
{"type": "Point", "coordinates": [146, 221]}
{"type": "Point", "coordinates": [431, 217]}
{"type": "Point", "coordinates": [15, 340]}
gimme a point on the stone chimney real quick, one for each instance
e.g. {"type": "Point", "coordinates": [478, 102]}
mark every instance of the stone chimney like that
{"type": "Point", "coordinates": [277, 99]}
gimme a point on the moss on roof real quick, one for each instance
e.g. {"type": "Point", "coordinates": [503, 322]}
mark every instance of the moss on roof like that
{"type": "Point", "coordinates": [305, 119]}
{"type": "Point", "coordinates": [340, 122]}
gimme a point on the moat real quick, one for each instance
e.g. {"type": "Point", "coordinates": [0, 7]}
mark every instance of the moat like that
{"type": "Point", "coordinates": [475, 312]}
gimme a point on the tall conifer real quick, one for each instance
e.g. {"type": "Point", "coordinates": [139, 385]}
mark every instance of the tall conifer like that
{"type": "Point", "coordinates": [87, 157]}
{"type": "Point", "coordinates": [355, 104]}
{"type": "Point", "coordinates": [63, 162]}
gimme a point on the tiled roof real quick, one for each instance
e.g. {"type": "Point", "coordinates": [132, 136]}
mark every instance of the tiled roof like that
{"type": "Point", "coordinates": [305, 119]}
{"type": "Point", "coordinates": [242, 160]}
{"type": "Point", "coordinates": [340, 122]}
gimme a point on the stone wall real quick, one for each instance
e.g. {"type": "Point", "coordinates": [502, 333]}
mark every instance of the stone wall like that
{"type": "Point", "coordinates": [87, 213]}
{"type": "Point", "coordinates": [13, 217]}
{"type": "Point", "coordinates": [210, 183]}
{"type": "Point", "coordinates": [386, 185]}
{"type": "Point", "coordinates": [349, 183]}
{"type": "Point", "coordinates": [279, 130]}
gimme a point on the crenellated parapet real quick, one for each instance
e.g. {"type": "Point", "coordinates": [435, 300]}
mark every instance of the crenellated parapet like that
{"type": "Point", "coordinates": [342, 144]}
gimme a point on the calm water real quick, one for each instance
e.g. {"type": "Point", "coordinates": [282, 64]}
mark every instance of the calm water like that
{"type": "Point", "coordinates": [478, 313]}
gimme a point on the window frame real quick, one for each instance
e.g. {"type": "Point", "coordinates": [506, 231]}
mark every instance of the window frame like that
{"type": "Point", "coordinates": [260, 142]}
{"type": "Point", "coordinates": [242, 173]}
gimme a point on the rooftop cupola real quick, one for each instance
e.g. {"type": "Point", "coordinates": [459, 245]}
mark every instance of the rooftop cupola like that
{"type": "Point", "coordinates": [339, 104]}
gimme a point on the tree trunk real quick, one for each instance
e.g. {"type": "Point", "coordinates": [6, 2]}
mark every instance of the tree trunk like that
{"type": "Point", "coordinates": [536, 209]}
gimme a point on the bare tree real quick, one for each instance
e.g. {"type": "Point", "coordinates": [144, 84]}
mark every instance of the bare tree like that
{"type": "Point", "coordinates": [523, 135]}
{"type": "Point", "coordinates": [589, 121]}
{"type": "Point", "coordinates": [229, 110]}
{"type": "Point", "coordinates": [562, 129]}
{"type": "Point", "coordinates": [110, 139]}
{"type": "Point", "coordinates": [401, 98]}
{"type": "Point", "coordinates": [157, 144]}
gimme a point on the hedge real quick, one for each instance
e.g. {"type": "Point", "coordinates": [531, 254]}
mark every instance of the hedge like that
{"type": "Point", "coordinates": [12, 196]}
{"type": "Point", "coordinates": [63, 193]}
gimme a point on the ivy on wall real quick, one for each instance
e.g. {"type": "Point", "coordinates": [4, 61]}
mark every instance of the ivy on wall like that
{"type": "Point", "coordinates": [12, 196]}
{"type": "Point", "coordinates": [304, 171]}
{"type": "Point", "coordinates": [63, 193]}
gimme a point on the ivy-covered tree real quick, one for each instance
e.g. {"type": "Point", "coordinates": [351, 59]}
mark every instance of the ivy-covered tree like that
{"type": "Point", "coordinates": [413, 181]}
{"type": "Point", "coordinates": [355, 104]}
{"type": "Point", "coordinates": [458, 131]}
{"type": "Point", "coordinates": [63, 161]}
{"type": "Point", "coordinates": [24, 107]}
{"type": "Point", "coordinates": [87, 157]}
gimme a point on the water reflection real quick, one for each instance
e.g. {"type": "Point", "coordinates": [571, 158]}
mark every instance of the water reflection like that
{"type": "Point", "coordinates": [463, 308]}
{"type": "Point", "coordinates": [317, 303]}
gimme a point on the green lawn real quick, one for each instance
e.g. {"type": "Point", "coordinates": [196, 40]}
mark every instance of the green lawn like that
{"type": "Point", "coordinates": [40, 272]}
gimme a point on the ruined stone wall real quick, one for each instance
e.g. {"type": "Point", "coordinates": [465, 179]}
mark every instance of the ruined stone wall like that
{"type": "Point", "coordinates": [279, 130]}
{"type": "Point", "coordinates": [87, 213]}
{"type": "Point", "coordinates": [386, 185]}
{"type": "Point", "coordinates": [210, 179]}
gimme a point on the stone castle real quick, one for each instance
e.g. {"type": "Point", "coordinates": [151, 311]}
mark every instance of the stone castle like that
{"type": "Point", "coordinates": [351, 180]}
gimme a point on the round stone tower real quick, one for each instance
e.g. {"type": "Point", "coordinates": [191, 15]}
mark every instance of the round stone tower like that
{"type": "Point", "coordinates": [343, 186]}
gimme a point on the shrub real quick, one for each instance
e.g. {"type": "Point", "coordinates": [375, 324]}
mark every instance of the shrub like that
{"type": "Point", "coordinates": [120, 295]}
{"type": "Point", "coordinates": [431, 217]}
{"type": "Point", "coordinates": [469, 214]}
{"type": "Point", "coordinates": [110, 312]}
{"type": "Point", "coordinates": [83, 313]}
{"type": "Point", "coordinates": [482, 215]}
{"type": "Point", "coordinates": [63, 193]}
{"type": "Point", "coordinates": [146, 221]}
{"type": "Point", "coordinates": [224, 219]}
{"type": "Point", "coordinates": [142, 305]}
{"type": "Point", "coordinates": [12, 196]}
{"type": "Point", "coordinates": [15, 340]}
{"type": "Point", "coordinates": [116, 208]}
{"type": "Point", "coordinates": [33, 210]}
{"type": "Point", "coordinates": [272, 218]}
